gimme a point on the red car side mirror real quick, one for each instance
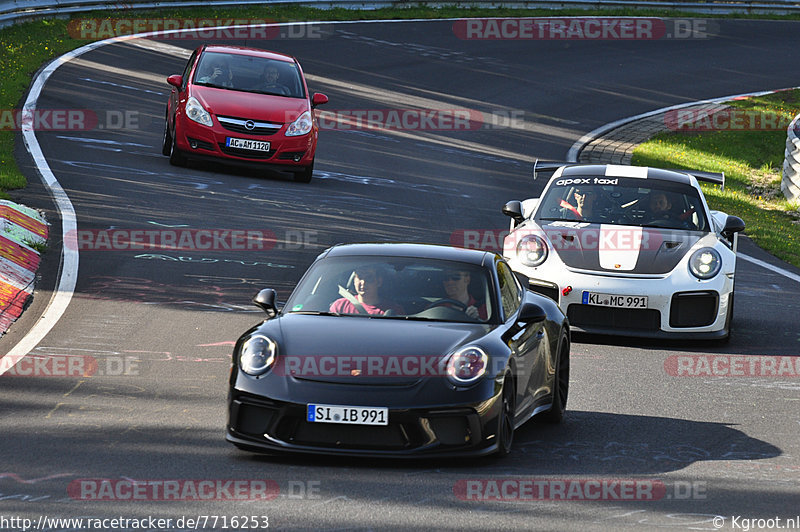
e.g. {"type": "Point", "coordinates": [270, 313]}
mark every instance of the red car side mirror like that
{"type": "Point", "coordinates": [176, 80]}
{"type": "Point", "coordinates": [318, 99]}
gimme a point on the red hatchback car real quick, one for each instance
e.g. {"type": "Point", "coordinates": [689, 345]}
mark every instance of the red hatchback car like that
{"type": "Point", "coordinates": [243, 106]}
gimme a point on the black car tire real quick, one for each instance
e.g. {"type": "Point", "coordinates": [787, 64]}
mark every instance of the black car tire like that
{"type": "Point", "coordinates": [304, 176]}
{"type": "Point", "coordinates": [166, 144]}
{"type": "Point", "coordinates": [176, 158]}
{"type": "Point", "coordinates": [560, 386]}
{"type": "Point", "coordinates": [505, 422]}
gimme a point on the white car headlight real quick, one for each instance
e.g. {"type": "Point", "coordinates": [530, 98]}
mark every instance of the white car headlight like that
{"type": "Point", "coordinates": [301, 126]}
{"type": "Point", "coordinates": [257, 355]}
{"type": "Point", "coordinates": [196, 112]}
{"type": "Point", "coordinates": [532, 250]}
{"type": "Point", "coordinates": [467, 365]}
{"type": "Point", "coordinates": [705, 263]}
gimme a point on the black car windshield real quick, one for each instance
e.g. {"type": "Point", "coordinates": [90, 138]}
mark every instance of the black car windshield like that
{"type": "Point", "coordinates": [249, 74]}
{"type": "Point", "coordinates": [624, 201]}
{"type": "Point", "coordinates": [396, 288]}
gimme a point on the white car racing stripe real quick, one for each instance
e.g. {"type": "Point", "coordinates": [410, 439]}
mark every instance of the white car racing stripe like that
{"type": "Point", "coordinates": [619, 247]}
{"type": "Point", "coordinates": [616, 170]}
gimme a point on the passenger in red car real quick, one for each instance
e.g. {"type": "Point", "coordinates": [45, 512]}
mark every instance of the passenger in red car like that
{"type": "Point", "coordinates": [218, 74]}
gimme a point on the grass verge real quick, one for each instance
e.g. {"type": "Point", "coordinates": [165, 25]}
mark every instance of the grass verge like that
{"type": "Point", "coordinates": [752, 161]}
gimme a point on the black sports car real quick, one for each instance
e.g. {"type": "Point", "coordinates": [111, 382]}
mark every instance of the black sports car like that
{"type": "Point", "coordinates": [399, 350]}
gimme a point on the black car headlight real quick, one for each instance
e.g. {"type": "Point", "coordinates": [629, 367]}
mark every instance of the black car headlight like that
{"type": "Point", "coordinates": [257, 355]}
{"type": "Point", "coordinates": [467, 365]}
{"type": "Point", "coordinates": [705, 263]}
{"type": "Point", "coordinates": [532, 250]}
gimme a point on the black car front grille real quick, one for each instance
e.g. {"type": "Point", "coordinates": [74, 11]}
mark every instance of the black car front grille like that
{"type": "Point", "coordinates": [240, 125]}
{"type": "Point", "coordinates": [405, 431]}
{"type": "Point", "coordinates": [248, 154]}
{"type": "Point", "coordinates": [350, 436]}
{"type": "Point", "coordinates": [614, 318]}
{"type": "Point", "coordinates": [693, 309]}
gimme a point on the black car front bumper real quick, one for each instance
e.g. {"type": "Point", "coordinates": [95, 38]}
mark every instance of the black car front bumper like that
{"type": "Point", "coordinates": [264, 425]}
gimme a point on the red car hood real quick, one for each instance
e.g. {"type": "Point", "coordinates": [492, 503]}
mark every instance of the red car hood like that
{"type": "Point", "coordinates": [250, 105]}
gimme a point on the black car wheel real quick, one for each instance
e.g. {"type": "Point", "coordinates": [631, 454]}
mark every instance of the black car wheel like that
{"type": "Point", "coordinates": [305, 175]}
{"type": "Point", "coordinates": [176, 158]}
{"type": "Point", "coordinates": [560, 386]}
{"type": "Point", "coordinates": [166, 144]}
{"type": "Point", "coordinates": [505, 428]}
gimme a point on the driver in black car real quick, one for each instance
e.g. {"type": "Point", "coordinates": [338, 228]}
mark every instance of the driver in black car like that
{"type": "Point", "coordinates": [456, 286]}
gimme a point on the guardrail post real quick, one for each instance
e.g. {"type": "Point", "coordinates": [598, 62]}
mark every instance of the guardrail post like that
{"type": "Point", "coordinates": [790, 185]}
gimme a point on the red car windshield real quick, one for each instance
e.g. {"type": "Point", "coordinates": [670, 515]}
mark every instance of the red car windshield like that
{"type": "Point", "coordinates": [250, 74]}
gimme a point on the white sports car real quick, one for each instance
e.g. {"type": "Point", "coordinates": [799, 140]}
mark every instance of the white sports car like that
{"type": "Point", "coordinates": [628, 250]}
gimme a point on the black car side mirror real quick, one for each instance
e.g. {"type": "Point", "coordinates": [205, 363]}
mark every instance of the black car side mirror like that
{"type": "Point", "coordinates": [531, 313]}
{"type": "Point", "coordinates": [265, 300]}
{"type": "Point", "coordinates": [514, 209]}
{"type": "Point", "coordinates": [528, 314]}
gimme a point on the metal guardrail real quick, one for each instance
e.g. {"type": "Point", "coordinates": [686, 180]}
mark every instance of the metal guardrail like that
{"type": "Point", "coordinates": [790, 184]}
{"type": "Point", "coordinates": [16, 10]}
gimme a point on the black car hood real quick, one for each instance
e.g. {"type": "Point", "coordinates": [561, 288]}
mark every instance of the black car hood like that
{"type": "Point", "coordinates": [395, 351]}
{"type": "Point", "coordinates": [630, 249]}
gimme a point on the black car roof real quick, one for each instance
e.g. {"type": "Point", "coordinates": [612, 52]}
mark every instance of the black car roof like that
{"type": "Point", "coordinates": [392, 249]}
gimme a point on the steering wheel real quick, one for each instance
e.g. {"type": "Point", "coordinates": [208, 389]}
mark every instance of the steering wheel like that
{"type": "Point", "coordinates": [447, 301]}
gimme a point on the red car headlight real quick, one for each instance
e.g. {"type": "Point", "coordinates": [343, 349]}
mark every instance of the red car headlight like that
{"type": "Point", "coordinates": [196, 112]}
{"type": "Point", "coordinates": [301, 126]}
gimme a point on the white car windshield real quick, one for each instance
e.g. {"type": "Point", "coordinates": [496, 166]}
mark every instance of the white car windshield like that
{"type": "Point", "coordinates": [624, 201]}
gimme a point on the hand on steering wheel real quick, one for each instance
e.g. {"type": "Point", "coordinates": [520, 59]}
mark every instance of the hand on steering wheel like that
{"type": "Point", "coordinates": [447, 301]}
